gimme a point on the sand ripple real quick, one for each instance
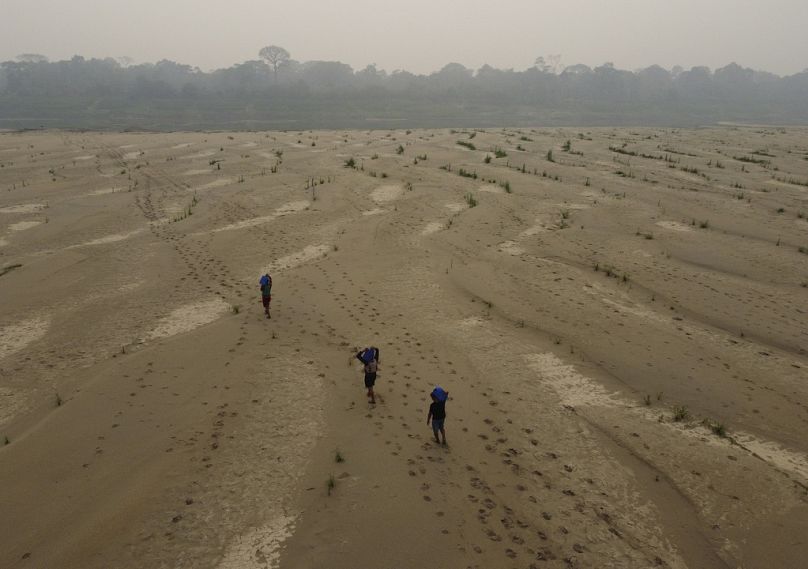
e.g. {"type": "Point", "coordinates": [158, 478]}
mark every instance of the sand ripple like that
{"type": "Point", "coordinates": [286, 209]}
{"type": "Point", "coordinates": [260, 547]}
{"type": "Point", "coordinates": [23, 208]}
{"type": "Point", "coordinates": [432, 227]}
{"type": "Point", "coordinates": [189, 317]}
{"type": "Point", "coordinates": [511, 248]}
{"type": "Point", "coordinates": [674, 225]}
{"type": "Point", "coordinates": [102, 192]}
{"type": "Point", "coordinates": [571, 387]}
{"type": "Point", "coordinates": [386, 193]}
{"type": "Point", "coordinates": [23, 225]}
{"type": "Point", "coordinates": [216, 184]}
{"type": "Point", "coordinates": [203, 154]}
{"type": "Point", "coordinates": [15, 337]}
{"type": "Point", "coordinates": [107, 239]}
{"type": "Point", "coordinates": [310, 253]}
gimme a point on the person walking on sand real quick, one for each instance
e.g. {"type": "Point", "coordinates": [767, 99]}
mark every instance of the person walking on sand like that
{"type": "Point", "coordinates": [266, 292]}
{"type": "Point", "coordinates": [437, 413]}
{"type": "Point", "coordinates": [370, 360]}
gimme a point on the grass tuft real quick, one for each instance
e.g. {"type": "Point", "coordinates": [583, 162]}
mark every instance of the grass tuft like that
{"type": "Point", "coordinates": [680, 413]}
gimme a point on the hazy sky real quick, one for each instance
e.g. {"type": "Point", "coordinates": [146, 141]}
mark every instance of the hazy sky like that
{"type": "Point", "coordinates": [417, 35]}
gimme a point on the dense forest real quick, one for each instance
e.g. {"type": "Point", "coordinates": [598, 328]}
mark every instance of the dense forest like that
{"type": "Point", "coordinates": [276, 92]}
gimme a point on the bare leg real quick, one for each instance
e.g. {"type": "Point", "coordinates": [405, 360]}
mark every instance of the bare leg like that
{"type": "Point", "coordinates": [443, 433]}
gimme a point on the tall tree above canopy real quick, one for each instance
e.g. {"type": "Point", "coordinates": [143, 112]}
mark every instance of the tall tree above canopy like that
{"type": "Point", "coordinates": [275, 56]}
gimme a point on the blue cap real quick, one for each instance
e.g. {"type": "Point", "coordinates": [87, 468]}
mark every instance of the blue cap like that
{"type": "Point", "coordinates": [440, 394]}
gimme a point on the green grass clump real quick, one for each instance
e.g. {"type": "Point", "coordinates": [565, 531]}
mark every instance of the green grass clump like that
{"type": "Point", "coordinates": [499, 153]}
{"type": "Point", "coordinates": [751, 160]}
{"type": "Point", "coordinates": [718, 428]}
{"type": "Point", "coordinates": [471, 200]}
{"type": "Point", "coordinates": [350, 163]}
{"type": "Point", "coordinates": [466, 144]}
{"type": "Point", "coordinates": [680, 413]}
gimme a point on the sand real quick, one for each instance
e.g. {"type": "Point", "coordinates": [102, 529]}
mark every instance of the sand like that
{"type": "Point", "coordinates": [15, 337]}
{"type": "Point", "coordinates": [23, 208]}
{"type": "Point", "coordinates": [189, 317]}
{"type": "Point", "coordinates": [106, 239]}
{"type": "Point", "coordinates": [626, 354]}
{"type": "Point", "coordinates": [23, 225]}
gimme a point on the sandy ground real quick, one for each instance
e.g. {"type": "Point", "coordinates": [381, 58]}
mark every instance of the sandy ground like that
{"type": "Point", "coordinates": [622, 330]}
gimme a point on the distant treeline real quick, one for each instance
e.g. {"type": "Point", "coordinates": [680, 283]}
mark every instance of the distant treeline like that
{"type": "Point", "coordinates": [284, 94]}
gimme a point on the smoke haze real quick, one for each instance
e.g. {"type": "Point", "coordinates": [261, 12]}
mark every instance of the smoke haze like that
{"type": "Point", "coordinates": [420, 36]}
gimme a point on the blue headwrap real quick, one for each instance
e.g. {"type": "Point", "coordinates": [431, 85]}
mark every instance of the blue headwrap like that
{"type": "Point", "coordinates": [440, 394]}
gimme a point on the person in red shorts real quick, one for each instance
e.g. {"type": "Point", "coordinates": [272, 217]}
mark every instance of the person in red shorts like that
{"type": "Point", "coordinates": [266, 292]}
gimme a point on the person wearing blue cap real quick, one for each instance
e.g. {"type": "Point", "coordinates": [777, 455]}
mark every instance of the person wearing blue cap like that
{"type": "Point", "coordinates": [370, 360]}
{"type": "Point", "coordinates": [437, 413]}
{"type": "Point", "coordinates": [266, 292]}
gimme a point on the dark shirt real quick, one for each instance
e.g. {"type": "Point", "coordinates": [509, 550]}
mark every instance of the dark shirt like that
{"type": "Point", "coordinates": [266, 290]}
{"type": "Point", "coordinates": [438, 410]}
